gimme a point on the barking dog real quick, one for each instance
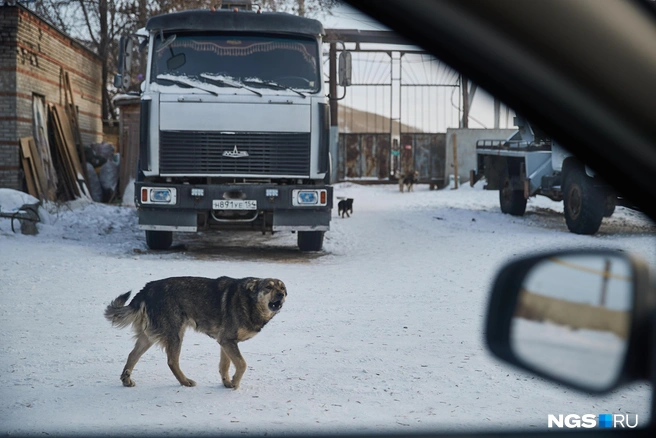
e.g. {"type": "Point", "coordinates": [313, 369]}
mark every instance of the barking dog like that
{"type": "Point", "coordinates": [227, 309]}
{"type": "Point", "coordinates": [408, 181]}
{"type": "Point", "coordinates": [344, 206]}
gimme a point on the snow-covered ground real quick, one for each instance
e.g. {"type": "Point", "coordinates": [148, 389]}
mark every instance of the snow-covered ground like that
{"type": "Point", "coordinates": [383, 331]}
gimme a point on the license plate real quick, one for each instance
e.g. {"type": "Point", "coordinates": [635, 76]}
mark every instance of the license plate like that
{"type": "Point", "coordinates": [231, 204]}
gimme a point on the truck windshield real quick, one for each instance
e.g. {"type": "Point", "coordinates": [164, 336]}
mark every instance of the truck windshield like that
{"type": "Point", "coordinates": [263, 61]}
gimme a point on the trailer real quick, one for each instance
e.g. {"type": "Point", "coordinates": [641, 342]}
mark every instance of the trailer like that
{"type": "Point", "coordinates": [530, 163]}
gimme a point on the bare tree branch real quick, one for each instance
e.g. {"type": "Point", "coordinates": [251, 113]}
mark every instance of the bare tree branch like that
{"type": "Point", "coordinates": [88, 23]}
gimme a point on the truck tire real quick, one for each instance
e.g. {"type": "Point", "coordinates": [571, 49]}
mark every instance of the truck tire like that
{"type": "Point", "coordinates": [585, 204]}
{"type": "Point", "coordinates": [310, 240]}
{"type": "Point", "coordinates": [159, 240]}
{"type": "Point", "coordinates": [512, 201]}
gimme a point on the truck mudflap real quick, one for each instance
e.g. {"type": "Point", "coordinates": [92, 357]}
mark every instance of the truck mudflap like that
{"type": "Point", "coordinates": [179, 207]}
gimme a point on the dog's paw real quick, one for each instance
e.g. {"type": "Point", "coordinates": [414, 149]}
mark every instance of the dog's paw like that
{"type": "Point", "coordinates": [127, 381]}
{"type": "Point", "coordinates": [227, 383]}
{"type": "Point", "coordinates": [189, 383]}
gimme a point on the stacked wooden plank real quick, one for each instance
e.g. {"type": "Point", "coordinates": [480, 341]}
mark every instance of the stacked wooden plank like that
{"type": "Point", "coordinates": [40, 114]}
{"type": "Point", "coordinates": [72, 183]}
{"type": "Point", "coordinates": [55, 169]}
{"type": "Point", "coordinates": [71, 110]}
{"type": "Point", "coordinates": [32, 168]}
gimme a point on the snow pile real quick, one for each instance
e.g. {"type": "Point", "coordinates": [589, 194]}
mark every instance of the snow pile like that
{"type": "Point", "coordinates": [12, 200]}
{"type": "Point", "coordinates": [82, 221]}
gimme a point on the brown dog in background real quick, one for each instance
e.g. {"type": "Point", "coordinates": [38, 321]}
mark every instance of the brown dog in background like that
{"type": "Point", "coordinates": [408, 181]}
{"type": "Point", "coordinates": [227, 309]}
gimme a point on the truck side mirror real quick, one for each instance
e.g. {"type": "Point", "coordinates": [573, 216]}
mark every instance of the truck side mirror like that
{"type": "Point", "coordinates": [124, 62]}
{"type": "Point", "coordinates": [345, 69]}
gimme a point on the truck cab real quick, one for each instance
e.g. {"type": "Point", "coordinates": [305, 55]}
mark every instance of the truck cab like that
{"type": "Point", "coordinates": [234, 127]}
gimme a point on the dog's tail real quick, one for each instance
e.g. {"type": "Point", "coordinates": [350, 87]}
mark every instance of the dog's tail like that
{"type": "Point", "coordinates": [121, 315]}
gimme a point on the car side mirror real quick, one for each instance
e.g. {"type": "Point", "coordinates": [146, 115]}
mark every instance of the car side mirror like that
{"type": "Point", "coordinates": [574, 317]}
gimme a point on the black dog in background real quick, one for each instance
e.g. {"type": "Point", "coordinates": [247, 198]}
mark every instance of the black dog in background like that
{"type": "Point", "coordinates": [344, 206]}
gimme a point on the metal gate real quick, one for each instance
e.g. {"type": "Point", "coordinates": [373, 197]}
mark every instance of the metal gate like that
{"type": "Point", "coordinates": [426, 154]}
{"type": "Point", "coordinates": [427, 89]}
{"type": "Point", "coordinates": [395, 114]}
{"type": "Point", "coordinates": [364, 156]}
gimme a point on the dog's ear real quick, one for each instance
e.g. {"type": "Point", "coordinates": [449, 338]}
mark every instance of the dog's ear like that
{"type": "Point", "coordinates": [252, 284]}
{"type": "Point", "coordinates": [281, 285]}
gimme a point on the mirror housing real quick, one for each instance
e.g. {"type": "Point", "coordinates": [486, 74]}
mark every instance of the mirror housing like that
{"type": "Point", "coordinates": [165, 42]}
{"type": "Point", "coordinates": [345, 69]}
{"type": "Point", "coordinates": [124, 62]}
{"type": "Point", "coordinates": [562, 335]}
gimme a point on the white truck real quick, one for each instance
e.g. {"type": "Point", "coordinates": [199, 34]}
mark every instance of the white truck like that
{"type": "Point", "coordinates": [530, 163]}
{"type": "Point", "coordinates": [234, 125]}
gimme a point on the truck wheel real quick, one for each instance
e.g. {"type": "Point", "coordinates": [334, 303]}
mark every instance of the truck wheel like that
{"type": "Point", "coordinates": [159, 239]}
{"type": "Point", "coordinates": [584, 203]}
{"type": "Point", "coordinates": [310, 240]}
{"type": "Point", "coordinates": [512, 201]}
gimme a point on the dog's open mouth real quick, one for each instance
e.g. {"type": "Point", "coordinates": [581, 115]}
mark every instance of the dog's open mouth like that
{"type": "Point", "coordinates": [274, 306]}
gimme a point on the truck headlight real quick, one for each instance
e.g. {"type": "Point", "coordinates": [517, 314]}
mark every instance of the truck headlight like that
{"type": "Point", "coordinates": [301, 198]}
{"type": "Point", "coordinates": [158, 195]}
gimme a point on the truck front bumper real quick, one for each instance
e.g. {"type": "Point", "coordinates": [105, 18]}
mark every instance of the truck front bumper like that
{"type": "Point", "coordinates": [186, 207]}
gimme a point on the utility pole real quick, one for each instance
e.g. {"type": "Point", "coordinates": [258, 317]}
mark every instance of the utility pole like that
{"type": "Point", "coordinates": [332, 102]}
{"type": "Point", "coordinates": [465, 102]}
{"type": "Point", "coordinates": [497, 113]}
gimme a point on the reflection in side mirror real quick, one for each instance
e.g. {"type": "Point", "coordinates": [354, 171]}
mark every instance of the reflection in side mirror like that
{"type": "Point", "coordinates": [345, 69]}
{"type": "Point", "coordinates": [572, 318]}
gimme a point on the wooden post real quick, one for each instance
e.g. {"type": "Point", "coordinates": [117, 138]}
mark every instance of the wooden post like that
{"type": "Point", "coordinates": [604, 284]}
{"type": "Point", "coordinates": [465, 102]}
{"type": "Point", "coordinates": [497, 113]}
{"type": "Point", "coordinates": [455, 159]}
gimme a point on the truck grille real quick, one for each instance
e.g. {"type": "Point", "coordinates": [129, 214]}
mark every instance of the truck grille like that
{"type": "Point", "coordinates": [269, 153]}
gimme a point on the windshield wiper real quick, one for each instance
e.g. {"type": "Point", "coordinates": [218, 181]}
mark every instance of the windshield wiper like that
{"type": "Point", "coordinates": [181, 81]}
{"type": "Point", "coordinates": [222, 81]}
{"type": "Point", "coordinates": [276, 85]}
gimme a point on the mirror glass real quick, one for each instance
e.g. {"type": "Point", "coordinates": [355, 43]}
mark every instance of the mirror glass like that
{"type": "Point", "coordinates": [127, 53]}
{"type": "Point", "coordinates": [177, 61]}
{"type": "Point", "coordinates": [573, 316]}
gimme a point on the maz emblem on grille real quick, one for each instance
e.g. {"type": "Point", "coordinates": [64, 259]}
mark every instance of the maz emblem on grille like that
{"type": "Point", "coordinates": [235, 153]}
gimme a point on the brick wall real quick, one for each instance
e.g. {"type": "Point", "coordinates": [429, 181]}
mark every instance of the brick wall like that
{"type": "Point", "coordinates": [9, 170]}
{"type": "Point", "coordinates": [33, 58]}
